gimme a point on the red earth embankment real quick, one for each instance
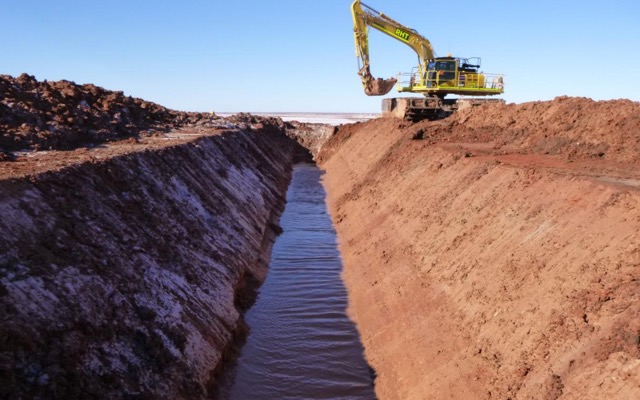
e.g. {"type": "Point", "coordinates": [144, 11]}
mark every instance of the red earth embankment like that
{"type": "Point", "coordinates": [495, 254]}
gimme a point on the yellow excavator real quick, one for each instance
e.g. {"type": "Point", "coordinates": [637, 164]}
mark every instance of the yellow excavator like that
{"type": "Point", "coordinates": [434, 77]}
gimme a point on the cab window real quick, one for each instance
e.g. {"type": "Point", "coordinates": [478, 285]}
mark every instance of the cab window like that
{"type": "Point", "coordinates": [445, 66]}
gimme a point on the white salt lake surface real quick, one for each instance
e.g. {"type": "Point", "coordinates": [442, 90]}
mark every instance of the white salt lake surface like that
{"type": "Point", "coordinates": [316, 118]}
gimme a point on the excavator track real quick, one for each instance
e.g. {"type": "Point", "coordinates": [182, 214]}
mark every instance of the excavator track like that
{"type": "Point", "coordinates": [432, 108]}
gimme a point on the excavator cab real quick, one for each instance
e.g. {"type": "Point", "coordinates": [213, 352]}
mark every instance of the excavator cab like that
{"type": "Point", "coordinates": [452, 75]}
{"type": "Point", "coordinates": [442, 71]}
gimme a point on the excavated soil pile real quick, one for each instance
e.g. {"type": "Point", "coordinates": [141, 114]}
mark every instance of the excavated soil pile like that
{"type": "Point", "coordinates": [494, 254]}
{"type": "Point", "coordinates": [64, 115]}
{"type": "Point", "coordinates": [572, 127]}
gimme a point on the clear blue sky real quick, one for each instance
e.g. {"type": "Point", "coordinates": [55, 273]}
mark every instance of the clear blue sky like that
{"type": "Point", "coordinates": [285, 55]}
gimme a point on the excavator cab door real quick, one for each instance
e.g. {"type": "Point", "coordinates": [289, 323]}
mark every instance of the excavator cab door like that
{"type": "Point", "coordinates": [432, 77]}
{"type": "Point", "coordinates": [446, 71]}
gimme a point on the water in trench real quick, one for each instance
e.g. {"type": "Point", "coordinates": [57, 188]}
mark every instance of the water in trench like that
{"type": "Point", "coordinates": [302, 345]}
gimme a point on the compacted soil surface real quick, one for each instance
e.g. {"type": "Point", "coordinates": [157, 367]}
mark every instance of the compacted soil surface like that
{"type": "Point", "coordinates": [494, 254]}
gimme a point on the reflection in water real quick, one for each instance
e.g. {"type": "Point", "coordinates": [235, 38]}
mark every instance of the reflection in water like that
{"type": "Point", "coordinates": [302, 345]}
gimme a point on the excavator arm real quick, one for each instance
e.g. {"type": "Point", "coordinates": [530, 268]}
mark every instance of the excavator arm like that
{"type": "Point", "coordinates": [365, 17]}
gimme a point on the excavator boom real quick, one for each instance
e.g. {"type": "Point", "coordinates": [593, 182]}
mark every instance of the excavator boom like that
{"type": "Point", "coordinates": [361, 22]}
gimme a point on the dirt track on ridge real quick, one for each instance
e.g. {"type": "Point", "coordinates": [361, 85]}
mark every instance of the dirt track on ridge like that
{"type": "Point", "coordinates": [495, 254]}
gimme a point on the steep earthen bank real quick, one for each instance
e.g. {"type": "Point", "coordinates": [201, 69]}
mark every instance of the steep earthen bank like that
{"type": "Point", "coordinates": [495, 254]}
{"type": "Point", "coordinates": [124, 267]}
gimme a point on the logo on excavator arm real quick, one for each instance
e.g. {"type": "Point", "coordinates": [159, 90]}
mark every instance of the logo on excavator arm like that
{"type": "Point", "coordinates": [402, 34]}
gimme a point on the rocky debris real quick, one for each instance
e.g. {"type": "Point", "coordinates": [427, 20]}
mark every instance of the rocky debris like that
{"type": "Point", "coordinates": [63, 115]}
{"type": "Point", "coordinates": [245, 121]}
{"type": "Point", "coordinates": [310, 136]}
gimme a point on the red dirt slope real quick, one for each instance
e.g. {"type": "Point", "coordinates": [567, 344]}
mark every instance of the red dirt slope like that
{"type": "Point", "coordinates": [568, 126]}
{"type": "Point", "coordinates": [499, 256]}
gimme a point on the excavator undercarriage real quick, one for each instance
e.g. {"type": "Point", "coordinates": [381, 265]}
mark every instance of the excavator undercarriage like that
{"type": "Point", "coordinates": [432, 108]}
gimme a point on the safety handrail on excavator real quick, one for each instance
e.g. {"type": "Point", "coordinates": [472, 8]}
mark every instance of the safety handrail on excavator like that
{"type": "Point", "coordinates": [408, 81]}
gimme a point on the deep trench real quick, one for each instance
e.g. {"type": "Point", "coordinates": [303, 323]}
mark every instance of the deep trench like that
{"type": "Point", "coordinates": [301, 342]}
{"type": "Point", "coordinates": [126, 277]}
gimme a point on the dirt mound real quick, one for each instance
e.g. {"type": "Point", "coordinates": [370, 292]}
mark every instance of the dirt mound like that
{"type": "Point", "coordinates": [495, 258]}
{"type": "Point", "coordinates": [576, 128]}
{"type": "Point", "coordinates": [63, 115]}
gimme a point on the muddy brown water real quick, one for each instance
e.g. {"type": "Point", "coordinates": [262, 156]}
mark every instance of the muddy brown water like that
{"type": "Point", "coordinates": [302, 345]}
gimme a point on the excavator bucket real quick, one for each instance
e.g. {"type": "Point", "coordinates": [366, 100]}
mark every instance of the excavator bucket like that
{"type": "Point", "coordinates": [380, 87]}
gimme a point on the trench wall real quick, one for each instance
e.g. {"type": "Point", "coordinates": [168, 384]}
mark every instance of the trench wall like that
{"type": "Point", "coordinates": [485, 276]}
{"type": "Point", "coordinates": [126, 278]}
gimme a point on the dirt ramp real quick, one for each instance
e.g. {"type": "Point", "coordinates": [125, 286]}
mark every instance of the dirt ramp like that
{"type": "Point", "coordinates": [481, 264]}
{"type": "Point", "coordinates": [123, 276]}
